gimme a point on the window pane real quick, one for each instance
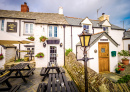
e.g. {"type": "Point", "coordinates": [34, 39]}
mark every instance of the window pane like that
{"type": "Point", "coordinates": [2, 25]}
{"type": "Point", "coordinates": [55, 31]}
{"type": "Point", "coordinates": [103, 50]}
{"type": "Point", "coordinates": [32, 50]}
{"type": "Point", "coordinates": [31, 28]}
{"type": "Point", "coordinates": [104, 28]}
{"type": "Point", "coordinates": [50, 31]}
{"type": "Point", "coordinates": [26, 28]}
{"type": "Point", "coordinates": [84, 27]}
{"type": "Point", "coordinates": [28, 49]}
{"type": "Point", "coordinates": [87, 27]}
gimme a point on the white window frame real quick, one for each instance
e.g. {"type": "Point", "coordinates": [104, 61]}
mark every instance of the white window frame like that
{"type": "Point", "coordinates": [1, 25]}
{"type": "Point", "coordinates": [129, 48]}
{"type": "Point", "coordinates": [29, 31]}
{"type": "Point", "coordinates": [105, 30]}
{"type": "Point", "coordinates": [88, 27]}
{"type": "Point", "coordinates": [52, 30]}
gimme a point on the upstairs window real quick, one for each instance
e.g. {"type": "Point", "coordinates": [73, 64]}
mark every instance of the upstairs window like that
{"type": "Point", "coordinates": [28, 28]}
{"type": "Point", "coordinates": [52, 31]}
{"type": "Point", "coordinates": [2, 25]}
{"type": "Point", "coordinates": [86, 27]}
{"type": "Point", "coordinates": [105, 29]}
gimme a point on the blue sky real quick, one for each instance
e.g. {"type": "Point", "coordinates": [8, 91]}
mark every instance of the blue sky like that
{"type": "Point", "coordinates": [119, 10]}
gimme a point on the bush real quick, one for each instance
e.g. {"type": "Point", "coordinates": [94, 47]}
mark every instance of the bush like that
{"type": "Point", "coordinates": [68, 51]}
{"type": "Point", "coordinates": [124, 53]}
{"type": "Point", "coordinates": [124, 79]}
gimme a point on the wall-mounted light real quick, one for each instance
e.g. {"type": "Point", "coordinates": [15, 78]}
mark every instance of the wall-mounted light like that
{"type": "Point", "coordinates": [61, 44]}
{"type": "Point", "coordinates": [44, 44]}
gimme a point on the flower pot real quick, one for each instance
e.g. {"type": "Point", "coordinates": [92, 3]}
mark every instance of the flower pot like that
{"type": "Point", "coordinates": [32, 39]}
{"type": "Point", "coordinates": [1, 58]}
{"type": "Point", "coordinates": [43, 39]}
{"type": "Point", "coordinates": [125, 61]}
{"type": "Point", "coordinates": [118, 72]}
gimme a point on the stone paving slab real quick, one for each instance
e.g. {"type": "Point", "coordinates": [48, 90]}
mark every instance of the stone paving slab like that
{"type": "Point", "coordinates": [32, 82]}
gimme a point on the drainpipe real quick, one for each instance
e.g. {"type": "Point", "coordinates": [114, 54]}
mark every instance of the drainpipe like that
{"type": "Point", "coordinates": [71, 39]}
{"type": "Point", "coordinates": [93, 30]}
{"type": "Point", "coordinates": [19, 34]}
{"type": "Point", "coordinates": [64, 44]}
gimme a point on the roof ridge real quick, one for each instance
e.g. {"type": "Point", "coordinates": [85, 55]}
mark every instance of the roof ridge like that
{"type": "Point", "coordinates": [98, 33]}
{"type": "Point", "coordinates": [73, 17]}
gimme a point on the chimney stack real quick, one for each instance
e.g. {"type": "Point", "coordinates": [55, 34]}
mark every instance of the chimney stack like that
{"type": "Point", "coordinates": [24, 7]}
{"type": "Point", "coordinates": [104, 17]}
{"type": "Point", "coordinates": [60, 10]}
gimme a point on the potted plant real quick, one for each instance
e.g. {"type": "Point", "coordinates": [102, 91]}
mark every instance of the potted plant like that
{"type": "Point", "coordinates": [31, 38]}
{"type": "Point", "coordinates": [125, 55]}
{"type": "Point", "coordinates": [42, 38]}
{"type": "Point", "coordinates": [1, 56]}
{"type": "Point", "coordinates": [39, 55]}
{"type": "Point", "coordinates": [119, 69]}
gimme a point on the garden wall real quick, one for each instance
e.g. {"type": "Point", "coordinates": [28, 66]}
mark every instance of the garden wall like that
{"type": "Point", "coordinates": [97, 83]}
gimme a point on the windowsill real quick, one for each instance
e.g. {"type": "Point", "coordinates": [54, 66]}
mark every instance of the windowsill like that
{"type": "Point", "coordinates": [28, 34]}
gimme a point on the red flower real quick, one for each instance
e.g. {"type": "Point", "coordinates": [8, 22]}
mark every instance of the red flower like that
{"type": "Point", "coordinates": [121, 69]}
{"type": "Point", "coordinates": [119, 66]}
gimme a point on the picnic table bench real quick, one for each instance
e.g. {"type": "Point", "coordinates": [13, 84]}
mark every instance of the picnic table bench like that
{"type": "Point", "coordinates": [21, 67]}
{"type": "Point", "coordinates": [57, 83]}
{"type": "Point", "coordinates": [51, 68]}
{"type": "Point", "coordinates": [10, 88]}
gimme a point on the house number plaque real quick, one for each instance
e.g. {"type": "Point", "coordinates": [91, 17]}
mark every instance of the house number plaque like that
{"type": "Point", "coordinates": [103, 39]}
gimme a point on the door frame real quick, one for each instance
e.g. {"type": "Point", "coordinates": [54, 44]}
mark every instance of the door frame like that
{"type": "Point", "coordinates": [108, 56]}
{"type": "Point", "coordinates": [49, 52]}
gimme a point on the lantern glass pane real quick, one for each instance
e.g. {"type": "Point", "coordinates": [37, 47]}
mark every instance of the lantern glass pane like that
{"type": "Point", "coordinates": [82, 40]}
{"type": "Point", "coordinates": [87, 40]}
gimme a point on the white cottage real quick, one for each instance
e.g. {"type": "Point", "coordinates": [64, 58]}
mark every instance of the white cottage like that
{"type": "Point", "coordinates": [62, 33]}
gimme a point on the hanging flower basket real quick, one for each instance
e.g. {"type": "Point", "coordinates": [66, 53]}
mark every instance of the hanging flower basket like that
{"type": "Point", "coordinates": [39, 55]}
{"type": "Point", "coordinates": [1, 56]}
{"type": "Point", "coordinates": [31, 38]}
{"type": "Point", "coordinates": [42, 38]}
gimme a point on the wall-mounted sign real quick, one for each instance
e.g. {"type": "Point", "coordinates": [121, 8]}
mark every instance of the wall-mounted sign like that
{"type": "Point", "coordinates": [53, 41]}
{"type": "Point", "coordinates": [103, 39]}
{"type": "Point", "coordinates": [11, 26]}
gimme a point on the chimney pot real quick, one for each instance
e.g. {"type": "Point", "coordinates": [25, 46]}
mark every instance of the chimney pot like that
{"type": "Point", "coordinates": [103, 13]}
{"type": "Point", "coordinates": [24, 7]}
{"type": "Point", "coordinates": [25, 3]}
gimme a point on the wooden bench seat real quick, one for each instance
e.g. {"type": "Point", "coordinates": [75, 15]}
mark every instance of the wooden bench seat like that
{"type": "Point", "coordinates": [61, 70]}
{"type": "Point", "coordinates": [30, 72]}
{"type": "Point", "coordinates": [14, 88]}
{"type": "Point", "coordinates": [42, 87]}
{"type": "Point", "coordinates": [72, 86]}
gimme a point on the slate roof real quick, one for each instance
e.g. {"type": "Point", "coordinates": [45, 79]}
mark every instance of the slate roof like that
{"type": "Point", "coordinates": [47, 18]}
{"type": "Point", "coordinates": [97, 36]}
{"type": "Point", "coordinates": [95, 23]}
{"type": "Point", "coordinates": [126, 35]}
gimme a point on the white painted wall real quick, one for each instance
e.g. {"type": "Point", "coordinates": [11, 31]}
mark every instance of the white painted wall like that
{"type": "Point", "coordinates": [2, 62]}
{"type": "Point", "coordinates": [94, 63]}
{"type": "Point", "coordinates": [126, 42]}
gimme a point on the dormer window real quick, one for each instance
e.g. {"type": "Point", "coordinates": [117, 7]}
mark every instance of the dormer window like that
{"type": "Point", "coordinates": [86, 27]}
{"type": "Point", "coordinates": [105, 29]}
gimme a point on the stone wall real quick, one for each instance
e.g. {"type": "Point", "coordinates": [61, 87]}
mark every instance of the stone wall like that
{"type": "Point", "coordinates": [97, 83]}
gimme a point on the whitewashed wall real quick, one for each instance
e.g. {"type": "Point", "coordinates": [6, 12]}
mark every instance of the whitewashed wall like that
{"type": "Point", "coordinates": [42, 62]}
{"type": "Point", "coordinates": [94, 63]}
{"type": "Point", "coordinates": [2, 62]}
{"type": "Point", "coordinates": [126, 42]}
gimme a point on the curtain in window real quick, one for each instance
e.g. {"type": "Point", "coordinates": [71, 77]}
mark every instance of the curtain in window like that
{"type": "Point", "coordinates": [55, 31]}
{"type": "Point", "coordinates": [31, 28]}
{"type": "Point", "coordinates": [2, 25]}
{"type": "Point", "coordinates": [50, 31]}
{"type": "Point", "coordinates": [26, 28]}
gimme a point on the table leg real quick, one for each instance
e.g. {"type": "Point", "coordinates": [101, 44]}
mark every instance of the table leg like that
{"type": "Point", "coordinates": [47, 71]}
{"type": "Point", "coordinates": [29, 67]}
{"type": "Point", "coordinates": [22, 76]}
{"type": "Point", "coordinates": [16, 73]}
{"type": "Point", "coordinates": [8, 84]}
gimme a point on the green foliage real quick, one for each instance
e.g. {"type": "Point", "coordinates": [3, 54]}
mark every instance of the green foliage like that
{"type": "Point", "coordinates": [1, 56]}
{"type": "Point", "coordinates": [68, 51]}
{"type": "Point", "coordinates": [42, 38]}
{"type": "Point", "coordinates": [124, 79]}
{"type": "Point", "coordinates": [39, 55]}
{"type": "Point", "coordinates": [31, 38]}
{"type": "Point", "coordinates": [124, 53]}
{"type": "Point", "coordinates": [19, 60]}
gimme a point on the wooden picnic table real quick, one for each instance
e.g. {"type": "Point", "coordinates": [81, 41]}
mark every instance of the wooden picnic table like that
{"type": "Point", "coordinates": [57, 83]}
{"type": "Point", "coordinates": [52, 67]}
{"type": "Point", "coordinates": [21, 67]}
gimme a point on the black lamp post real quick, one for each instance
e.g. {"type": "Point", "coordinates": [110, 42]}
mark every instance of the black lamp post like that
{"type": "Point", "coordinates": [85, 40]}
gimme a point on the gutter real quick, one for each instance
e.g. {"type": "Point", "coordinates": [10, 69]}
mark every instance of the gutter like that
{"type": "Point", "coordinates": [19, 34]}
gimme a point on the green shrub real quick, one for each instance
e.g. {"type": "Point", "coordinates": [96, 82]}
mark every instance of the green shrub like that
{"type": "Point", "coordinates": [124, 79]}
{"type": "Point", "coordinates": [124, 53]}
{"type": "Point", "coordinates": [68, 51]}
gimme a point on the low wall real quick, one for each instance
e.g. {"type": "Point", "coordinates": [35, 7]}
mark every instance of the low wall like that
{"type": "Point", "coordinates": [97, 83]}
